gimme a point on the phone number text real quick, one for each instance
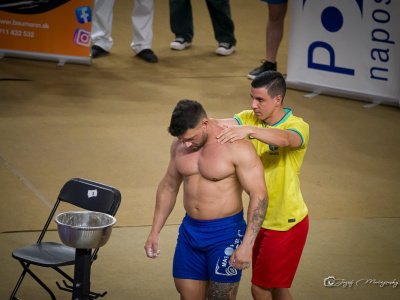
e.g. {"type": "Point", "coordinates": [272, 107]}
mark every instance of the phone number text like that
{"type": "Point", "coordinates": [15, 32]}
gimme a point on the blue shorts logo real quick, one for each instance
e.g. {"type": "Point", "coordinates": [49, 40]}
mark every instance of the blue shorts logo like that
{"type": "Point", "coordinates": [332, 20]}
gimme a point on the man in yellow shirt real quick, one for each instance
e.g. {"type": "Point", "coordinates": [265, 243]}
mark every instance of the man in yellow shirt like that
{"type": "Point", "coordinates": [281, 140]}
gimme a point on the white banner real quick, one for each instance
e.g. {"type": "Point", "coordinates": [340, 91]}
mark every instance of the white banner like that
{"type": "Point", "coordinates": [348, 48]}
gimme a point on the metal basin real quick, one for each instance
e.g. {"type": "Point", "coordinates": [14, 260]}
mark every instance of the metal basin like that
{"type": "Point", "coordinates": [84, 229]}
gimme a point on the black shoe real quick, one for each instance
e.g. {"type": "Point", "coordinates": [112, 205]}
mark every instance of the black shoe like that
{"type": "Point", "coordinates": [266, 66]}
{"type": "Point", "coordinates": [148, 55]}
{"type": "Point", "coordinates": [97, 51]}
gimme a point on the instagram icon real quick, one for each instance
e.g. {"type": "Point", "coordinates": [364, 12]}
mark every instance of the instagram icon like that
{"type": "Point", "coordinates": [82, 37]}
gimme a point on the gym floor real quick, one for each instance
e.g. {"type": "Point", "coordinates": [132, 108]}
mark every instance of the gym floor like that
{"type": "Point", "coordinates": [107, 122]}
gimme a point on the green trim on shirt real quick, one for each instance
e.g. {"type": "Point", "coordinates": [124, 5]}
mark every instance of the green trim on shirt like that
{"type": "Point", "coordinates": [298, 132]}
{"type": "Point", "coordinates": [238, 120]}
{"type": "Point", "coordinates": [288, 113]}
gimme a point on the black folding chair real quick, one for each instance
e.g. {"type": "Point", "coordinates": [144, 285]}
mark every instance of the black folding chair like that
{"type": "Point", "coordinates": [84, 194]}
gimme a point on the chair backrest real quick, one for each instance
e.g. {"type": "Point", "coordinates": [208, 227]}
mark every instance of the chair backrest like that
{"type": "Point", "coordinates": [90, 195]}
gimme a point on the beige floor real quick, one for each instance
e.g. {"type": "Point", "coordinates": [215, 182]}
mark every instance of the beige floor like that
{"type": "Point", "coordinates": [107, 122]}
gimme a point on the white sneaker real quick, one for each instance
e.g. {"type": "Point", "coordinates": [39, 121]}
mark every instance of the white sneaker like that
{"type": "Point", "coordinates": [225, 49]}
{"type": "Point", "coordinates": [179, 44]}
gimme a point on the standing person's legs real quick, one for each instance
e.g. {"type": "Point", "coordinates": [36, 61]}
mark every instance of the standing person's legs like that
{"type": "Point", "coordinates": [222, 290]}
{"type": "Point", "coordinates": [276, 255]}
{"type": "Point", "coordinates": [142, 21]}
{"type": "Point", "coordinates": [259, 293]}
{"type": "Point", "coordinates": [201, 290]}
{"type": "Point", "coordinates": [201, 266]}
{"type": "Point", "coordinates": [142, 36]}
{"type": "Point", "coordinates": [189, 267]}
{"type": "Point", "coordinates": [274, 32]}
{"type": "Point", "coordinates": [281, 294]}
{"type": "Point", "coordinates": [220, 13]}
{"type": "Point", "coordinates": [273, 36]}
{"type": "Point", "coordinates": [181, 19]}
{"type": "Point", "coordinates": [102, 24]}
{"type": "Point", "coordinates": [191, 289]}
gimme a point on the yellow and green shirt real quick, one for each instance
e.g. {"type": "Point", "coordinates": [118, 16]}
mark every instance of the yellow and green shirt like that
{"type": "Point", "coordinates": [286, 206]}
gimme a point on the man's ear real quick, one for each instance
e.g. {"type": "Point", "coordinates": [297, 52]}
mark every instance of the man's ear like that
{"type": "Point", "coordinates": [278, 99]}
{"type": "Point", "coordinates": [204, 123]}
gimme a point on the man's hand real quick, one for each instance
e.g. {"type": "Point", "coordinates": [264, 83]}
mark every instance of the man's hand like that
{"type": "Point", "coordinates": [233, 133]}
{"type": "Point", "coordinates": [241, 258]}
{"type": "Point", "coordinates": [151, 246]}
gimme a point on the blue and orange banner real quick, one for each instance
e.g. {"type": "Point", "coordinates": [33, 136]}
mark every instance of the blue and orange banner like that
{"type": "Point", "coordinates": [52, 29]}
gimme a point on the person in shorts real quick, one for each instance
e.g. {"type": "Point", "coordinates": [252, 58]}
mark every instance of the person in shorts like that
{"type": "Point", "coordinates": [214, 243]}
{"type": "Point", "coordinates": [281, 140]}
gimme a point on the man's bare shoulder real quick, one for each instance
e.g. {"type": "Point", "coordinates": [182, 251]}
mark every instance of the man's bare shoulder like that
{"type": "Point", "coordinates": [175, 145]}
{"type": "Point", "coordinates": [178, 148]}
{"type": "Point", "coordinates": [242, 151]}
{"type": "Point", "coordinates": [240, 145]}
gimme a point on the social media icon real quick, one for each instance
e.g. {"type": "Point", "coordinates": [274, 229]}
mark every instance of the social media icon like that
{"type": "Point", "coordinates": [82, 37]}
{"type": "Point", "coordinates": [83, 14]}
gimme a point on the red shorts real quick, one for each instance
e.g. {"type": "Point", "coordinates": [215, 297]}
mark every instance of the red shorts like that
{"type": "Point", "coordinates": [276, 255]}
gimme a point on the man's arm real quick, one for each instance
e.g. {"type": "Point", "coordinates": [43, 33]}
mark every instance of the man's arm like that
{"type": "Point", "coordinates": [167, 191]}
{"type": "Point", "coordinates": [270, 136]}
{"type": "Point", "coordinates": [250, 172]}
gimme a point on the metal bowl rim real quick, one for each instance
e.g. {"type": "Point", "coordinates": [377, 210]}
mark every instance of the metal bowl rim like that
{"type": "Point", "coordinates": [114, 220]}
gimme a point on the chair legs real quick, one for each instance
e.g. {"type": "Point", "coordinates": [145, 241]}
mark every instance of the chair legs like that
{"type": "Point", "coordinates": [37, 279]}
{"type": "Point", "coordinates": [14, 292]}
{"type": "Point", "coordinates": [68, 288]}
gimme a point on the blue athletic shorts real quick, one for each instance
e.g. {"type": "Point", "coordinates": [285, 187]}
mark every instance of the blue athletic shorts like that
{"type": "Point", "coordinates": [204, 248]}
{"type": "Point", "coordinates": [275, 1]}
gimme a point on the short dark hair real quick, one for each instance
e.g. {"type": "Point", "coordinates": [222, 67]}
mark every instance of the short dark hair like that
{"type": "Point", "coordinates": [186, 115]}
{"type": "Point", "coordinates": [273, 81]}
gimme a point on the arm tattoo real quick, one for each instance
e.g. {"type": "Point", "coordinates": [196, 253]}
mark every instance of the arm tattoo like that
{"type": "Point", "coordinates": [222, 291]}
{"type": "Point", "coordinates": [258, 217]}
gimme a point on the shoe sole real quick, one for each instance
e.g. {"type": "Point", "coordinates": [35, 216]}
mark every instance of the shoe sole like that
{"type": "Point", "coordinates": [224, 52]}
{"type": "Point", "coordinates": [180, 47]}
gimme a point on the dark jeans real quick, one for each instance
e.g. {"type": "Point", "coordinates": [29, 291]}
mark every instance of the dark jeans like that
{"type": "Point", "coordinates": [181, 19]}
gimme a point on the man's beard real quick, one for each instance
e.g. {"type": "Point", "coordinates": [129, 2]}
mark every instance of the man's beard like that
{"type": "Point", "coordinates": [203, 141]}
